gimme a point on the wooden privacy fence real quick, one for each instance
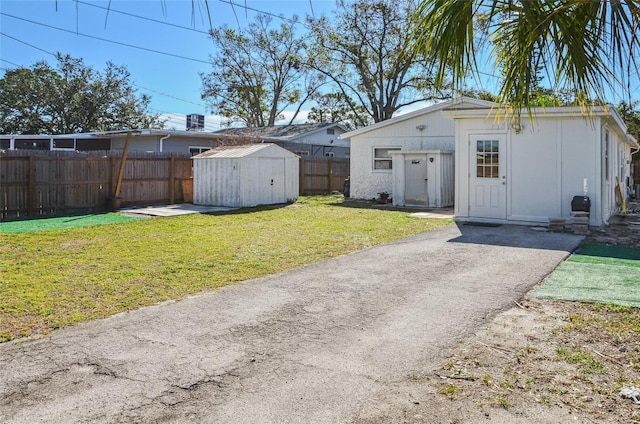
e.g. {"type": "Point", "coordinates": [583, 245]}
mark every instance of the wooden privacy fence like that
{"type": "Point", "coordinates": [321, 175]}
{"type": "Point", "coordinates": [36, 183]}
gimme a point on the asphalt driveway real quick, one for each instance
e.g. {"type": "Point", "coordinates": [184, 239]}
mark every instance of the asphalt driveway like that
{"type": "Point", "coordinates": [329, 343]}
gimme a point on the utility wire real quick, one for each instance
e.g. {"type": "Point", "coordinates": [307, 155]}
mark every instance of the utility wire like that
{"type": "Point", "coordinates": [109, 10]}
{"type": "Point", "coordinates": [9, 62]}
{"type": "Point", "coordinates": [106, 40]}
{"type": "Point", "coordinates": [168, 95]}
{"type": "Point", "coordinates": [25, 43]}
{"type": "Point", "coordinates": [132, 83]}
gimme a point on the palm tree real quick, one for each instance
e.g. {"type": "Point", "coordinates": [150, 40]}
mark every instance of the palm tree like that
{"type": "Point", "coordinates": [586, 47]}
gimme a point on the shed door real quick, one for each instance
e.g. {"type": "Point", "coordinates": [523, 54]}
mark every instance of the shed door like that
{"type": "Point", "coordinates": [272, 172]}
{"type": "Point", "coordinates": [487, 177]}
{"type": "Point", "coordinates": [415, 180]}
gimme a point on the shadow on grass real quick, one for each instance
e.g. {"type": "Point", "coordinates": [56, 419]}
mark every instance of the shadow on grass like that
{"type": "Point", "coordinates": [370, 204]}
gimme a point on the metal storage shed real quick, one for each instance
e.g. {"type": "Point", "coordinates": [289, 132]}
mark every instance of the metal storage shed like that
{"type": "Point", "coordinates": [243, 176]}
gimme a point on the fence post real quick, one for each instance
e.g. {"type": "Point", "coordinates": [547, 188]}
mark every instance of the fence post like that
{"type": "Point", "coordinates": [301, 177]}
{"type": "Point", "coordinates": [329, 165]}
{"type": "Point", "coordinates": [32, 184]}
{"type": "Point", "coordinates": [112, 165]}
{"type": "Point", "coordinates": [172, 179]}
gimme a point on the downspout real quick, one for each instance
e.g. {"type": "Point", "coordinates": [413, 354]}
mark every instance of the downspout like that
{"type": "Point", "coordinates": [163, 139]}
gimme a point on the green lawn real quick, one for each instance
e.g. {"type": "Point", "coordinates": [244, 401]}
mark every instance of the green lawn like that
{"type": "Point", "coordinates": [55, 278]}
{"type": "Point", "coordinates": [596, 273]}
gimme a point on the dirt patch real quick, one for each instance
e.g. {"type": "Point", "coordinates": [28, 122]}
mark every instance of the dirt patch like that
{"type": "Point", "coordinates": [542, 361]}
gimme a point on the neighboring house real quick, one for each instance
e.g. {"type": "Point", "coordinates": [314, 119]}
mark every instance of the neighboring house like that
{"type": "Point", "coordinates": [301, 139]}
{"type": "Point", "coordinates": [242, 176]}
{"type": "Point", "coordinates": [427, 135]}
{"type": "Point", "coordinates": [145, 140]}
{"type": "Point", "coordinates": [527, 171]}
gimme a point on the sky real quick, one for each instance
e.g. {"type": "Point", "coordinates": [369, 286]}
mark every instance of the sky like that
{"type": "Point", "coordinates": [163, 43]}
{"type": "Point", "coordinates": [170, 39]}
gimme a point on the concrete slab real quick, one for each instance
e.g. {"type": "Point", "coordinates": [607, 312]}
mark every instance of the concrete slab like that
{"type": "Point", "coordinates": [445, 213]}
{"type": "Point", "coordinates": [174, 210]}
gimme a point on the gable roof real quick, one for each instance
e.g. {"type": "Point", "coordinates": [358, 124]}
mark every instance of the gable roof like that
{"type": "Point", "coordinates": [280, 132]}
{"type": "Point", "coordinates": [256, 150]}
{"type": "Point", "coordinates": [607, 112]}
{"type": "Point", "coordinates": [424, 111]}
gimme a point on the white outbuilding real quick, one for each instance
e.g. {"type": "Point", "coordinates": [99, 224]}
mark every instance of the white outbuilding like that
{"type": "Point", "coordinates": [245, 176]}
{"type": "Point", "coordinates": [526, 171]}
{"type": "Point", "coordinates": [410, 157]}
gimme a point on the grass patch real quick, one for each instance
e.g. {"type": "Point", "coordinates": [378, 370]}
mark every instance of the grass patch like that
{"type": "Point", "coordinates": [597, 273]}
{"type": "Point", "coordinates": [57, 278]}
{"type": "Point", "coordinates": [62, 222]}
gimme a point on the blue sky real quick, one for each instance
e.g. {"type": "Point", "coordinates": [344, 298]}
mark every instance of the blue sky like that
{"type": "Point", "coordinates": [32, 30]}
{"type": "Point", "coordinates": [172, 82]}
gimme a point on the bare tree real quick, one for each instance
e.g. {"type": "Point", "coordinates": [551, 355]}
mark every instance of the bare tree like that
{"type": "Point", "coordinates": [361, 51]}
{"type": "Point", "coordinates": [258, 73]}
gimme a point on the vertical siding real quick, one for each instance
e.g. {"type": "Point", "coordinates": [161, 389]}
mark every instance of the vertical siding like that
{"type": "Point", "coordinates": [217, 182]}
{"type": "Point", "coordinates": [446, 184]}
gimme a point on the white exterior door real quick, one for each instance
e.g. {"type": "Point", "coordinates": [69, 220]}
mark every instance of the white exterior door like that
{"type": "Point", "coordinates": [487, 177]}
{"type": "Point", "coordinates": [415, 177]}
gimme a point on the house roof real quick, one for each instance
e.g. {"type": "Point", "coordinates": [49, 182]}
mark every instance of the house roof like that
{"type": "Point", "coordinates": [280, 132]}
{"type": "Point", "coordinates": [225, 139]}
{"type": "Point", "coordinates": [420, 112]}
{"type": "Point", "coordinates": [608, 112]}
{"type": "Point", "coordinates": [242, 151]}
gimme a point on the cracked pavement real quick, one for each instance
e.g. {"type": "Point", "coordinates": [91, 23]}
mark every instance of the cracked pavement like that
{"type": "Point", "coordinates": [332, 342]}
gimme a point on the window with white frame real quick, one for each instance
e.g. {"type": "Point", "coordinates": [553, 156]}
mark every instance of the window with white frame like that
{"type": "Point", "coordinates": [196, 150]}
{"type": "Point", "coordinates": [382, 157]}
{"type": "Point", "coordinates": [329, 154]}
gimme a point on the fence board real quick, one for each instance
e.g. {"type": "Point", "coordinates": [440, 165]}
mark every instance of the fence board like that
{"type": "Point", "coordinates": [34, 183]}
{"type": "Point", "coordinates": [322, 175]}
{"type": "Point", "coordinates": [43, 183]}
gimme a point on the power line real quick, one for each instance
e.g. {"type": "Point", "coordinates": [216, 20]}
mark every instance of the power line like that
{"type": "Point", "coordinates": [109, 10]}
{"type": "Point", "coordinates": [106, 40]}
{"type": "Point", "coordinates": [25, 43]}
{"type": "Point", "coordinates": [137, 85]}
{"type": "Point", "coordinates": [273, 15]}
{"type": "Point", "coordinates": [8, 61]}
{"type": "Point", "coordinates": [169, 95]}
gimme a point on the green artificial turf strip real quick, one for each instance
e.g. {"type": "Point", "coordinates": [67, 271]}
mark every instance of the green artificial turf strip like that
{"type": "Point", "coordinates": [62, 222]}
{"type": "Point", "coordinates": [597, 273]}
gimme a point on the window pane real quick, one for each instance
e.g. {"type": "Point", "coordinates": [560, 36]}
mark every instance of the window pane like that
{"type": "Point", "coordinates": [487, 158]}
{"type": "Point", "coordinates": [63, 143]}
{"type": "Point", "coordinates": [382, 164]}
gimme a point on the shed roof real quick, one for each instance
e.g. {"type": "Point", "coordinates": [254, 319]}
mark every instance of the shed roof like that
{"type": "Point", "coordinates": [249, 150]}
{"type": "Point", "coordinates": [420, 112]}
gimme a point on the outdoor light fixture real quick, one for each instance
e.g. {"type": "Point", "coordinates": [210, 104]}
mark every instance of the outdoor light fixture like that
{"type": "Point", "coordinates": [420, 127]}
